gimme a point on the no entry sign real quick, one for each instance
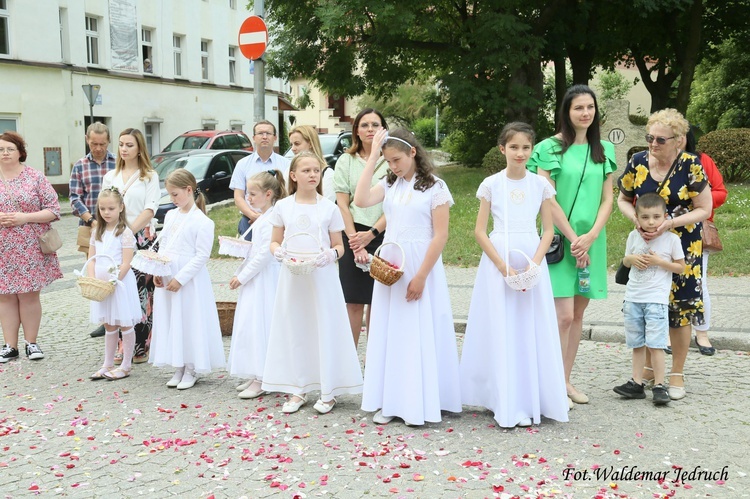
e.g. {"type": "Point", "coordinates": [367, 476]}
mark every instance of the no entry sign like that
{"type": "Point", "coordinates": [253, 37]}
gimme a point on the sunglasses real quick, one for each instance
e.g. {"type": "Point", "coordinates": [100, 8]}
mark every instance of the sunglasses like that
{"type": "Point", "coordinates": [659, 140]}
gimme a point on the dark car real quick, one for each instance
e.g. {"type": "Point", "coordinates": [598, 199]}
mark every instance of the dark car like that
{"type": "Point", "coordinates": [210, 139]}
{"type": "Point", "coordinates": [333, 146]}
{"type": "Point", "coordinates": [212, 170]}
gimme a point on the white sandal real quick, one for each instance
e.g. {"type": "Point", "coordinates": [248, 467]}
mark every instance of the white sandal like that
{"type": "Point", "coordinates": [677, 392]}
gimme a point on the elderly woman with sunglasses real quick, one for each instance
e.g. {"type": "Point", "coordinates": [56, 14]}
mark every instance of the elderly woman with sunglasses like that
{"type": "Point", "coordinates": [685, 188]}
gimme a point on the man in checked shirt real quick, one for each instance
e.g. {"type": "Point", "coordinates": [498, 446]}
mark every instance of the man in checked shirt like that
{"type": "Point", "coordinates": [86, 182]}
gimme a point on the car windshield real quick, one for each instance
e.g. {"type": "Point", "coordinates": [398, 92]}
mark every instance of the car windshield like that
{"type": "Point", "coordinates": [182, 142]}
{"type": "Point", "coordinates": [328, 143]}
{"type": "Point", "coordinates": [197, 165]}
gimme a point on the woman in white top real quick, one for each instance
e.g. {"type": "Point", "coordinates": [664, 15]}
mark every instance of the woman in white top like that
{"type": "Point", "coordinates": [136, 179]}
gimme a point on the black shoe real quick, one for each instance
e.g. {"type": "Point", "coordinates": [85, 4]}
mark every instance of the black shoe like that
{"type": "Point", "coordinates": [704, 350]}
{"type": "Point", "coordinates": [631, 390]}
{"type": "Point", "coordinates": [96, 333]}
{"type": "Point", "coordinates": [33, 352]}
{"type": "Point", "coordinates": [8, 353]}
{"type": "Point", "coordinates": [668, 350]}
{"type": "Point", "coordinates": [661, 395]}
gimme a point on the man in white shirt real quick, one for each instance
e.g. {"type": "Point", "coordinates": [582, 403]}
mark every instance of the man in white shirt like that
{"type": "Point", "coordinates": [262, 159]}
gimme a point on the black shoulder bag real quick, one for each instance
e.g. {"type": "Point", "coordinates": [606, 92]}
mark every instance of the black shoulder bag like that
{"type": "Point", "coordinates": [622, 276]}
{"type": "Point", "coordinates": [556, 249]}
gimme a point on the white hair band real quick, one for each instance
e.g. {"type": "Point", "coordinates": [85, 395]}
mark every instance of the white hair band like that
{"type": "Point", "coordinates": [400, 140]}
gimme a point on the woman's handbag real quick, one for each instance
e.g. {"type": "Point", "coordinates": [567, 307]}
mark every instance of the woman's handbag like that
{"type": "Point", "coordinates": [50, 241]}
{"type": "Point", "coordinates": [556, 249]}
{"type": "Point", "coordinates": [623, 274]}
{"type": "Point", "coordinates": [83, 240]}
{"type": "Point", "coordinates": [711, 240]}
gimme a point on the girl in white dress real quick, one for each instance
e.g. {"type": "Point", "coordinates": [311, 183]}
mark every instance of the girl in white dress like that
{"type": "Point", "coordinates": [186, 324]}
{"type": "Point", "coordinates": [257, 278]}
{"type": "Point", "coordinates": [412, 360]}
{"type": "Point", "coordinates": [511, 361]}
{"type": "Point", "coordinates": [310, 346]}
{"type": "Point", "coordinates": [121, 310]}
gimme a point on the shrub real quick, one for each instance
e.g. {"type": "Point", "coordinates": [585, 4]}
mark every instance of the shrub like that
{"type": "Point", "coordinates": [730, 149]}
{"type": "Point", "coordinates": [638, 119]}
{"type": "Point", "coordinates": [424, 129]}
{"type": "Point", "coordinates": [494, 161]}
{"type": "Point", "coordinates": [458, 146]}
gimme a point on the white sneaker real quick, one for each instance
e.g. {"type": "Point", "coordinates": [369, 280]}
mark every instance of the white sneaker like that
{"type": "Point", "coordinates": [176, 378]}
{"type": "Point", "coordinates": [188, 380]}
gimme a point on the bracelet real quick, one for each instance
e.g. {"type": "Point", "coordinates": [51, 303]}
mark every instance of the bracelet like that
{"type": "Point", "coordinates": [336, 252]}
{"type": "Point", "coordinates": [375, 231]}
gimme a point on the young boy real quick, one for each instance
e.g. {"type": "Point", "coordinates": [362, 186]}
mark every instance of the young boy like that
{"type": "Point", "coordinates": [647, 295]}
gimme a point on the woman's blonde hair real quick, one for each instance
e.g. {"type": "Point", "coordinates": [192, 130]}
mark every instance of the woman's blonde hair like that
{"type": "Point", "coordinates": [144, 161]}
{"type": "Point", "coordinates": [293, 168]}
{"type": "Point", "coordinates": [122, 221]}
{"type": "Point", "coordinates": [309, 135]}
{"type": "Point", "coordinates": [183, 179]}
{"type": "Point", "coordinates": [270, 180]}
{"type": "Point", "coordinates": [670, 118]}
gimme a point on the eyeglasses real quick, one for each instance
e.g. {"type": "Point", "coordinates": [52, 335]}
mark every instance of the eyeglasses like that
{"type": "Point", "coordinates": [374, 126]}
{"type": "Point", "coordinates": [659, 140]}
{"type": "Point", "coordinates": [9, 149]}
{"type": "Point", "coordinates": [264, 134]}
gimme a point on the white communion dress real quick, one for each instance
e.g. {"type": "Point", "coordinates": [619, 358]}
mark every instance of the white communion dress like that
{"type": "Point", "coordinates": [412, 359]}
{"type": "Point", "coordinates": [511, 361]}
{"type": "Point", "coordinates": [186, 323]}
{"type": "Point", "coordinates": [310, 346]}
{"type": "Point", "coordinates": [123, 307]}
{"type": "Point", "coordinates": [259, 275]}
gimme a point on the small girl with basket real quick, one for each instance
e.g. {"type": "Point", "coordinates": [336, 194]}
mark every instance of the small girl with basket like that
{"type": "Point", "coordinates": [310, 345]}
{"type": "Point", "coordinates": [187, 335]}
{"type": "Point", "coordinates": [412, 359]}
{"type": "Point", "coordinates": [511, 361]}
{"type": "Point", "coordinates": [257, 278]}
{"type": "Point", "coordinates": [111, 247]}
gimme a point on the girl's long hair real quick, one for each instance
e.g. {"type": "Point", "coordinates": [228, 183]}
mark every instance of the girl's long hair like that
{"type": "Point", "coordinates": [568, 132]}
{"type": "Point", "coordinates": [122, 221]}
{"type": "Point", "coordinates": [182, 179]}
{"type": "Point", "coordinates": [293, 168]}
{"type": "Point", "coordinates": [425, 178]}
{"type": "Point", "coordinates": [270, 180]}
{"type": "Point", "coordinates": [144, 161]}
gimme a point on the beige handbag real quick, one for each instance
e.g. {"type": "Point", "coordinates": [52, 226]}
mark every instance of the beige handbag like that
{"type": "Point", "coordinates": [84, 238]}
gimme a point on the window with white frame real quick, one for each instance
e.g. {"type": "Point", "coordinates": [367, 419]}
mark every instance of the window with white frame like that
{"type": "Point", "coordinates": [232, 64]}
{"type": "Point", "coordinates": [233, 4]}
{"type": "Point", "coordinates": [151, 134]}
{"type": "Point", "coordinates": [204, 60]}
{"type": "Point", "coordinates": [147, 49]}
{"type": "Point", "coordinates": [177, 43]}
{"type": "Point", "coordinates": [8, 123]}
{"type": "Point", "coordinates": [92, 40]}
{"type": "Point", "coordinates": [64, 35]}
{"type": "Point", "coordinates": [4, 28]}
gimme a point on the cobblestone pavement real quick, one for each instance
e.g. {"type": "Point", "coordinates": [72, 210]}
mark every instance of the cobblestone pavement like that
{"type": "Point", "coordinates": [61, 434]}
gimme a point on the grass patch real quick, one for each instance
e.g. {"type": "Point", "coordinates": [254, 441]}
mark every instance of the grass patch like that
{"type": "Point", "coordinates": [732, 220]}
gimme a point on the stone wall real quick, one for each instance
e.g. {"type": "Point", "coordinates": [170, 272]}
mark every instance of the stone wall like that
{"type": "Point", "coordinates": [618, 129]}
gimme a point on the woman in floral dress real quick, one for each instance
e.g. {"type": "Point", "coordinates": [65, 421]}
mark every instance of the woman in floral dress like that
{"type": "Point", "coordinates": [28, 204]}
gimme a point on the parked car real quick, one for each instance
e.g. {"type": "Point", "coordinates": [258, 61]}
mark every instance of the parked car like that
{"type": "Point", "coordinates": [212, 169]}
{"type": "Point", "coordinates": [210, 139]}
{"type": "Point", "coordinates": [333, 146]}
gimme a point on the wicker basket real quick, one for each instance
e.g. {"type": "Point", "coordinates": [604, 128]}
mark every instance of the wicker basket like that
{"type": "Point", "coordinates": [237, 247]}
{"type": "Point", "coordinates": [92, 288]}
{"type": "Point", "coordinates": [382, 271]}
{"type": "Point", "coordinates": [226, 316]}
{"type": "Point", "coordinates": [299, 262]}
{"type": "Point", "coordinates": [526, 279]}
{"type": "Point", "coordinates": [151, 262]}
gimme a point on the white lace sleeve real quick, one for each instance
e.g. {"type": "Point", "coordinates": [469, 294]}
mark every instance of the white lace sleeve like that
{"type": "Point", "coordinates": [441, 194]}
{"type": "Point", "coordinates": [128, 239]}
{"type": "Point", "coordinates": [484, 191]}
{"type": "Point", "coordinates": [548, 191]}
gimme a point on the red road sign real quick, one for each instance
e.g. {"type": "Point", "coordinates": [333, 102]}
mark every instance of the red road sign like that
{"type": "Point", "coordinates": [253, 37]}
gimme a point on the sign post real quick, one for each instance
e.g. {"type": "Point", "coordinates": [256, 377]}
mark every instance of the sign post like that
{"type": "Point", "coordinates": [253, 40]}
{"type": "Point", "coordinates": [91, 92]}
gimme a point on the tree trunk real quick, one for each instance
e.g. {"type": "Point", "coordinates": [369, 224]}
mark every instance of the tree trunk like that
{"type": "Point", "coordinates": [581, 60]}
{"type": "Point", "coordinates": [528, 76]}
{"type": "Point", "coordinates": [690, 57]}
{"type": "Point", "coordinates": [561, 83]}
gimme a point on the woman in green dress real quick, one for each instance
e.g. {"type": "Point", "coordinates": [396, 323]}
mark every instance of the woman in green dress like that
{"type": "Point", "coordinates": [579, 165]}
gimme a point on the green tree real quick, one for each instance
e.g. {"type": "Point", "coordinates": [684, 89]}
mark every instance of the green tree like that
{"type": "Point", "coordinates": [408, 103]}
{"type": "Point", "coordinates": [612, 85]}
{"type": "Point", "coordinates": [722, 89]}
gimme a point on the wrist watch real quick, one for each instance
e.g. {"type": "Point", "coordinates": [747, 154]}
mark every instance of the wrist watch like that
{"type": "Point", "coordinates": [375, 231]}
{"type": "Point", "coordinates": [89, 222]}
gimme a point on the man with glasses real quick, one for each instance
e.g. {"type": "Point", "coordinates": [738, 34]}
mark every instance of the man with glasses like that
{"type": "Point", "coordinates": [85, 184]}
{"type": "Point", "coordinates": [262, 159]}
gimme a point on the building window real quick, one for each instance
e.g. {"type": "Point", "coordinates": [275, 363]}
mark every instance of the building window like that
{"type": "Point", "coordinates": [147, 49]}
{"type": "Point", "coordinates": [8, 123]}
{"type": "Point", "coordinates": [151, 134]}
{"type": "Point", "coordinates": [64, 36]}
{"type": "Point", "coordinates": [233, 4]}
{"type": "Point", "coordinates": [204, 60]}
{"type": "Point", "coordinates": [177, 45]}
{"type": "Point", "coordinates": [4, 27]}
{"type": "Point", "coordinates": [92, 41]}
{"type": "Point", "coordinates": [232, 64]}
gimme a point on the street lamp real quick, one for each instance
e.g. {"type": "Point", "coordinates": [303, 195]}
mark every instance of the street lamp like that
{"type": "Point", "coordinates": [91, 92]}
